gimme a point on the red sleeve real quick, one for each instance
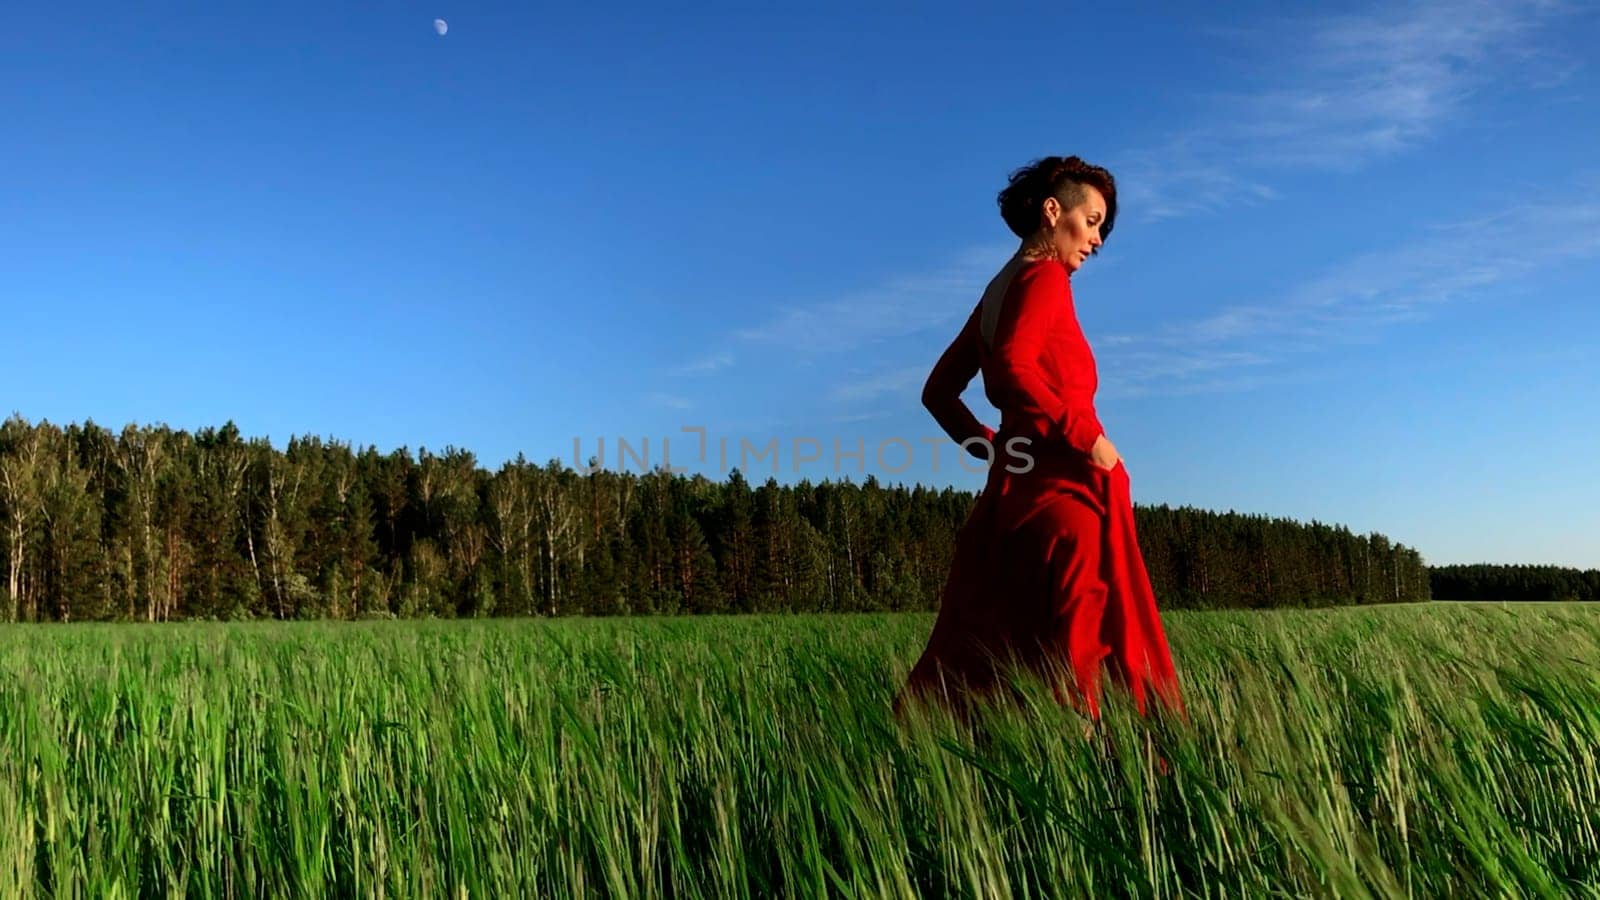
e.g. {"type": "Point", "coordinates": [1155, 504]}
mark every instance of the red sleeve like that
{"type": "Point", "coordinates": [1039, 294]}
{"type": "Point", "coordinates": [950, 377]}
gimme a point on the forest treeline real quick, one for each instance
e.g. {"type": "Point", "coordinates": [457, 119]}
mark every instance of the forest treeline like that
{"type": "Point", "coordinates": [156, 524]}
{"type": "Point", "coordinates": [1502, 583]}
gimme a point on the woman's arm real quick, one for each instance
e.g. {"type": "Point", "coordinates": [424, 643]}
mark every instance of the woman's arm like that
{"type": "Point", "coordinates": [1014, 379]}
{"type": "Point", "coordinates": [950, 377]}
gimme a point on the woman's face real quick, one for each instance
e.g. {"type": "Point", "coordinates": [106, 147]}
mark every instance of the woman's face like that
{"type": "Point", "coordinates": [1075, 231]}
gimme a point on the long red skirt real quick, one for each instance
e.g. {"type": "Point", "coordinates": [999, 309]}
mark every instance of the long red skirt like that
{"type": "Point", "coordinates": [1048, 575]}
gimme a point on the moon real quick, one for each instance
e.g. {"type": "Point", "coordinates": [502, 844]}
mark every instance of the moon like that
{"type": "Point", "coordinates": [441, 26]}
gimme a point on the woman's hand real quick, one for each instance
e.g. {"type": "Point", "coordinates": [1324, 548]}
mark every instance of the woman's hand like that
{"type": "Point", "coordinates": [1104, 453]}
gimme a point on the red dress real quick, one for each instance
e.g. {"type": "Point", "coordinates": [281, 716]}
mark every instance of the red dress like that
{"type": "Point", "coordinates": [1047, 569]}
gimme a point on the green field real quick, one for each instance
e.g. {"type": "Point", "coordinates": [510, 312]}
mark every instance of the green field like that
{"type": "Point", "coordinates": [1421, 750]}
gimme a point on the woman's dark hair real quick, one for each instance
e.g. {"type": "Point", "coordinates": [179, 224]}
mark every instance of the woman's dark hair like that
{"type": "Point", "coordinates": [1061, 177]}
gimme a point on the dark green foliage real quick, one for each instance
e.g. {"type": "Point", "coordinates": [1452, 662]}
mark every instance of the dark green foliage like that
{"type": "Point", "coordinates": [1537, 584]}
{"type": "Point", "coordinates": [155, 524]}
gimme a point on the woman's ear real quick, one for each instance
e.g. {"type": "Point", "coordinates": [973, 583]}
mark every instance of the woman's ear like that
{"type": "Point", "coordinates": [1049, 212]}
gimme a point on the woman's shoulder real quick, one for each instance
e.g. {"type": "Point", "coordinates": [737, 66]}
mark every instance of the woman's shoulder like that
{"type": "Point", "coordinates": [1049, 274]}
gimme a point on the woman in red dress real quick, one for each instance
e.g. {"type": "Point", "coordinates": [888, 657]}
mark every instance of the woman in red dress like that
{"type": "Point", "coordinates": [1047, 571]}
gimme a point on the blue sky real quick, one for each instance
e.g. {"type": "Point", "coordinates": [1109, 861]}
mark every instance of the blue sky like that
{"type": "Point", "coordinates": [1355, 276]}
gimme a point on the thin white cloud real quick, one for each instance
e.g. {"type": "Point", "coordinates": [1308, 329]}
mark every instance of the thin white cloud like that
{"type": "Point", "coordinates": [854, 418]}
{"type": "Point", "coordinates": [905, 382]}
{"type": "Point", "coordinates": [668, 401]}
{"type": "Point", "coordinates": [1358, 301]}
{"type": "Point", "coordinates": [806, 335]}
{"type": "Point", "coordinates": [896, 307]}
{"type": "Point", "coordinates": [1345, 90]}
{"type": "Point", "coordinates": [705, 365]}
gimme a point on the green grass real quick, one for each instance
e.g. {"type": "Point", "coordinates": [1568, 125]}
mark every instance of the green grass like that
{"type": "Point", "coordinates": [1417, 751]}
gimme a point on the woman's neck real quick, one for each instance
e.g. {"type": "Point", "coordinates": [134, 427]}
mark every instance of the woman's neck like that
{"type": "Point", "coordinates": [1032, 251]}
